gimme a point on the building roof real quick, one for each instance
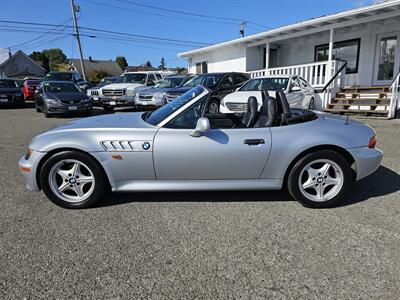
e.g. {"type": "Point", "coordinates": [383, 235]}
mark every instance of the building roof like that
{"type": "Point", "coordinates": [109, 66]}
{"type": "Point", "coordinates": [20, 52]}
{"type": "Point", "coordinates": [139, 68]}
{"type": "Point", "coordinates": [372, 12]}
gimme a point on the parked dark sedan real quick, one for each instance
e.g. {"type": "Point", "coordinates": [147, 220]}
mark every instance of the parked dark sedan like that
{"type": "Point", "coordinates": [61, 97]}
{"type": "Point", "coordinates": [10, 93]}
{"type": "Point", "coordinates": [220, 85]}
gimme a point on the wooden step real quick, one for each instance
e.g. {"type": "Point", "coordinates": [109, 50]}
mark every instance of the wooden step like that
{"type": "Point", "coordinates": [361, 99]}
{"type": "Point", "coordinates": [365, 88]}
{"type": "Point", "coordinates": [357, 104]}
{"type": "Point", "coordinates": [362, 111]}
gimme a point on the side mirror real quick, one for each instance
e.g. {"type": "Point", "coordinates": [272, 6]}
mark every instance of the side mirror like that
{"type": "Point", "coordinates": [295, 89]}
{"type": "Point", "coordinates": [203, 125]}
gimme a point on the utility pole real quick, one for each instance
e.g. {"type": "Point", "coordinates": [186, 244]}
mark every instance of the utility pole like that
{"type": "Point", "coordinates": [75, 8]}
{"type": "Point", "coordinates": [242, 27]}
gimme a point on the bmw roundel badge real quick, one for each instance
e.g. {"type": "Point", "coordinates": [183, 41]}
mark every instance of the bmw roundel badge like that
{"type": "Point", "coordinates": [146, 145]}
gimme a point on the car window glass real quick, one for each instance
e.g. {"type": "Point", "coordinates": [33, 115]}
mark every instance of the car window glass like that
{"type": "Point", "coordinates": [295, 82]}
{"type": "Point", "coordinates": [150, 78]}
{"type": "Point", "coordinates": [241, 78]}
{"type": "Point", "coordinates": [270, 84]}
{"type": "Point", "coordinates": [227, 81]}
{"type": "Point", "coordinates": [303, 82]}
{"type": "Point", "coordinates": [188, 118]}
{"type": "Point", "coordinates": [159, 77]}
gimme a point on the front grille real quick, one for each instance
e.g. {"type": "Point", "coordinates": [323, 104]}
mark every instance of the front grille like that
{"type": "Point", "coordinates": [145, 97]}
{"type": "Point", "coordinates": [94, 93]}
{"type": "Point", "coordinates": [71, 101]}
{"type": "Point", "coordinates": [120, 92]}
{"type": "Point", "coordinates": [6, 97]}
{"type": "Point", "coordinates": [236, 106]}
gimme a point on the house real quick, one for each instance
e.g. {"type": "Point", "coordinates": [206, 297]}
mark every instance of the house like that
{"type": "Point", "coordinates": [366, 38]}
{"type": "Point", "coordinates": [20, 65]}
{"type": "Point", "coordinates": [139, 69]}
{"type": "Point", "coordinates": [91, 66]}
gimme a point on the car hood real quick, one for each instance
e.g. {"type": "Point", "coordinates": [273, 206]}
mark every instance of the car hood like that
{"type": "Point", "coordinates": [116, 86]}
{"type": "Point", "coordinates": [112, 121]}
{"type": "Point", "coordinates": [151, 91]}
{"type": "Point", "coordinates": [5, 91]}
{"type": "Point", "coordinates": [180, 90]}
{"type": "Point", "coordinates": [65, 96]}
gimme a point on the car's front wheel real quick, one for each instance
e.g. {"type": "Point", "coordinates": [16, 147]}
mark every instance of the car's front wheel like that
{"type": "Point", "coordinates": [320, 179]}
{"type": "Point", "coordinates": [73, 179]}
{"type": "Point", "coordinates": [213, 106]}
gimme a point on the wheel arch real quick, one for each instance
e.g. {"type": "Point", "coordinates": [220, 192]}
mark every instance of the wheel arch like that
{"type": "Point", "coordinates": [58, 150]}
{"type": "Point", "coordinates": [346, 154]}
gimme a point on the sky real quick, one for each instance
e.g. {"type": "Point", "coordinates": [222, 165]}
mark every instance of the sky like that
{"type": "Point", "coordinates": [160, 20]}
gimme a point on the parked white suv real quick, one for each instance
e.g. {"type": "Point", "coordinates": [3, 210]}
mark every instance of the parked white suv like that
{"type": "Point", "coordinates": [299, 93]}
{"type": "Point", "coordinates": [122, 93]}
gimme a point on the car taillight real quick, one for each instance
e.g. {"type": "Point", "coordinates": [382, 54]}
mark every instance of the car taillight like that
{"type": "Point", "coordinates": [372, 142]}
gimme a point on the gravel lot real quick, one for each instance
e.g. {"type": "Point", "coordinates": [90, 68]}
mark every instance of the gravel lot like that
{"type": "Point", "coordinates": [197, 245]}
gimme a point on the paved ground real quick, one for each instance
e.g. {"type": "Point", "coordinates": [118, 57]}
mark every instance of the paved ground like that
{"type": "Point", "coordinates": [197, 245]}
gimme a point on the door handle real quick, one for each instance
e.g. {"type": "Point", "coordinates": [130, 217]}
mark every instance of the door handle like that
{"type": "Point", "coordinates": [254, 141]}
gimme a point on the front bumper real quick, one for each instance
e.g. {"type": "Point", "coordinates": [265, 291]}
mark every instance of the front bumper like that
{"type": "Point", "coordinates": [28, 168]}
{"type": "Point", "coordinates": [70, 108]}
{"type": "Point", "coordinates": [11, 99]}
{"type": "Point", "coordinates": [367, 160]}
{"type": "Point", "coordinates": [119, 101]}
{"type": "Point", "coordinates": [149, 102]}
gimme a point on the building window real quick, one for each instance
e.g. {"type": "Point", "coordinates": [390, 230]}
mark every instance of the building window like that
{"type": "Point", "coordinates": [201, 67]}
{"type": "Point", "coordinates": [346, 50]}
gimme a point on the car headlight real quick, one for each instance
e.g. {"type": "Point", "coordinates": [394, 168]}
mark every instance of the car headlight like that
{"type": "Point", "coordinates": [51, 101]}
{"type": "Point", "coordinates": [130, 92]}
{"type": "Point", "coordinates": [159, 96]}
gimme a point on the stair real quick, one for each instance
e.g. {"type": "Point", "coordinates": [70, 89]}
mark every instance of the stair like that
{"type": "Point", "coordinates": [367, 101]}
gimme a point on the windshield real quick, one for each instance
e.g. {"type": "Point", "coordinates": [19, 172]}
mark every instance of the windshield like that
{"type": "Point", "coordinates": [270, 84]}
{"type": "Point", "coordinates": [170, 82]}
{"type": "Point", "coordinates": [133, 78]}
{"type": "Point", "coordinates": [32, 82]}
{"type": "Point", "coordinates": [8, 84]}
{"type": "Point", "coordinates": [60, 87]}
{"type": "Point", "coordinates": [106, 81]}
{"type": "Point", "coordinates": [163, 112]}
{"type": "Point", "coordinates": [60, 76]}
{"type": "Point", "coordinates": [207, 80]}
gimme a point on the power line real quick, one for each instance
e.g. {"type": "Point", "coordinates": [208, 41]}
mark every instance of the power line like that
{"type": "Point", "coordinates": [109, 31]}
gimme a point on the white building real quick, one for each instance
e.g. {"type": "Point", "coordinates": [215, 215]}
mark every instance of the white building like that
{"type": "Point", "coordinates": [367, 38]}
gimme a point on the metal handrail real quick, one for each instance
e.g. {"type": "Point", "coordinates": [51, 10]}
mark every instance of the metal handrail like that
{"type": "Point", "coordinates": [394, 87]}
{"type": "Point", "coordinates": [394, 80]}
{"type": "Point", "coordinates": [334, 76]}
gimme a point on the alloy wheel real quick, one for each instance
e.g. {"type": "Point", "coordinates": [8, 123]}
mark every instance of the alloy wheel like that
{"type": "Point", "coordinates": [71, 180]}
{"type": "Point", "coordinates": [213, 108]}
{"type": "Point", "coordinates": [321, 180]}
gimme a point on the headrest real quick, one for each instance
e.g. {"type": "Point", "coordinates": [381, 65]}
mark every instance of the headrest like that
{"type": "Point", "coordinates": [252, 104]}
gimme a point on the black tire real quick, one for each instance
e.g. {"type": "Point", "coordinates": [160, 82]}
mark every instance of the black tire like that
{"type": "Point", "coordinates": [38, 109]}
{"type": "Point", "coordinates": [342, 191]}
{"type": "Point", "coordinates": [109, 108]}
{"type": "Point", "coordinates": [213, 106]}
{"type": "Point", "coordinates": [46, 114]}
{"type": "Point", "coordinates": [101, 187]}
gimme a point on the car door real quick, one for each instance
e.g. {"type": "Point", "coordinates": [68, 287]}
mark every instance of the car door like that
{"type": "Point", "coordinates": [295, 97]}
{"type": "Point", "coordinates": [230, 153]}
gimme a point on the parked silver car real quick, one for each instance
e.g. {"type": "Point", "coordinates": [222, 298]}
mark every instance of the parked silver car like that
{"type": "Point", "coordinates": [179, 147]}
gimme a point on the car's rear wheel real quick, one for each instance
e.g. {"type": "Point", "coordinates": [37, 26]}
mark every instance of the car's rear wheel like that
{"type": "Point", "coordinates": [320, 179]}
{"type": "Point", "coordinates": [213, 106]}
{"type": "Point", "coordinates": [72, 179]}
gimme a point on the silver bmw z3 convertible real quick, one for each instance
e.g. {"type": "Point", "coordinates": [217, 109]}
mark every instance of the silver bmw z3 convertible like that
{"type": "Point", "coordinates": [181, 147]}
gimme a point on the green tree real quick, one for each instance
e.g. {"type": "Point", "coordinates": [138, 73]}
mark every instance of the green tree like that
{"type": "Point", "coordinates": [162, 64]}
{"type": "Point", "coordinates": [122, 62]}
{"type": "Point", "coordinates": [148, 64]}
{"type": "Point", "coordinates": [55, 57]}
{"type": "Point", "coordinates": [98, 75]}
{"type": "Point", "coordinates": [40, 59]}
